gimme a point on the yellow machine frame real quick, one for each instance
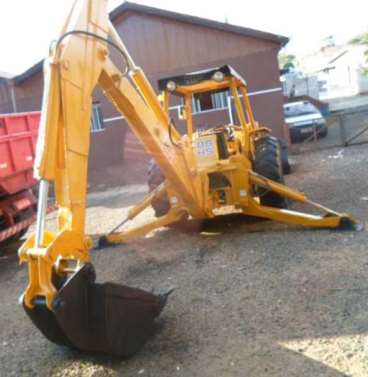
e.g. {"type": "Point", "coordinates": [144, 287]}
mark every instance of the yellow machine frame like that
{"type": "Point", "coordinates": [79, 62]}
{"type": "Point", "coordinates": [238, 167]}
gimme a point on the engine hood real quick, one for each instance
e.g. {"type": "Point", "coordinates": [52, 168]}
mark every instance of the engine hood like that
{"type": "Point", "coordinates": [303, 119]}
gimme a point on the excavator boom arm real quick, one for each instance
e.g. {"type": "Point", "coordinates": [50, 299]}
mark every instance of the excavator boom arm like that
{"type": "Point", "coordinates": [80, 60]}
{"type": "Point", "coordinates": [62, 298]}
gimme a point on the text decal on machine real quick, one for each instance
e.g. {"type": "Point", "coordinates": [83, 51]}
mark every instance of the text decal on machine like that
{"type": "Point", "coordinates": [205, 148]}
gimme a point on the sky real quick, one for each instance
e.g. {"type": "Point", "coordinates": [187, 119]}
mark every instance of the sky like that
{"type": "Point", "coordinates": [28, 26]}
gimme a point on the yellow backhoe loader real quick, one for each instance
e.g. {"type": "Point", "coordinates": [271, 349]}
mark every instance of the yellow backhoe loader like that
{"type": "Point", "coordinates": [200, 174]}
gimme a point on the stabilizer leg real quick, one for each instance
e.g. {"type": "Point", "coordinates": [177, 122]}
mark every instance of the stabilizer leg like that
{"type": "Point", "coordinates": [331, 219]}
{"type": "Point", "coordinates": [115, 238]}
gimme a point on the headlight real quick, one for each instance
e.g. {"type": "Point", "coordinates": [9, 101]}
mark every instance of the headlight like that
{"type": "Point", "coordinates": [171, 86]}
{"type": "Point", "coordinates": [321, 121]}
{"type": "Point", "coordinates": [218, 76]}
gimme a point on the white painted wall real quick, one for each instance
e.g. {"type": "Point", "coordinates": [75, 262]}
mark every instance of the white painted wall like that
{"type": "Point", "coordinates": [346, 76]}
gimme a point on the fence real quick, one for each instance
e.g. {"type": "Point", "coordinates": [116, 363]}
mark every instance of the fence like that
{"type": "Point", "coordinates": [345, 128]}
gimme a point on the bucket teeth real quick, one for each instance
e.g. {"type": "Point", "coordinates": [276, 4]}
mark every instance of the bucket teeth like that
{"type": "Point", "coordinates": [104, 318]}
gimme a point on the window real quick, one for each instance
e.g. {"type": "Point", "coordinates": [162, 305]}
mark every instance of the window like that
{"type": "Point", "coordinates": [210, 101]}
{"type": "Point", "coordinates": [97, 123]}
{"type": "Point", "coordinates": [299, 109]}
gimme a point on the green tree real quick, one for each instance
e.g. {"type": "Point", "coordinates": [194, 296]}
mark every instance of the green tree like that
{"type": "Point", "coordinates": [362, 39]}
{"type": "Point", "coordinates": [287, 61]}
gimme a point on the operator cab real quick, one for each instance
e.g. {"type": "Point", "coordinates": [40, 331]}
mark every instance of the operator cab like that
{"type": "Point", "coordinates": [220, 142]}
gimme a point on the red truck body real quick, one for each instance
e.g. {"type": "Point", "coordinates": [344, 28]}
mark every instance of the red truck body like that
{"type": "Point", "coordinates": [18, 136]}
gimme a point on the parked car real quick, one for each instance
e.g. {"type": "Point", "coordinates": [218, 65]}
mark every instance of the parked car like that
{"type": "Point", "coordinates": [304, 120]}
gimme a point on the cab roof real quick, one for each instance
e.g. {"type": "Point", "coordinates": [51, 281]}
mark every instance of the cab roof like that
{"type": "Point", "coordinates": [200, 81]}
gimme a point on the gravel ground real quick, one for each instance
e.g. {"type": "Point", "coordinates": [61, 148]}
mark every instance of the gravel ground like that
{"type": "Point", "coordinates": [252, 299]}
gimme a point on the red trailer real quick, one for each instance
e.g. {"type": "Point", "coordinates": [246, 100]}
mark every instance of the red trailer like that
{"type": "Point", "coordinates": [18, 134]}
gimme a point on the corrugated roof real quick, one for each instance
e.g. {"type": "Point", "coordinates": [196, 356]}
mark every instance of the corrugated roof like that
{"type": "Point", "coordinates": [133, 7]}
{"type": "Point", "coordinates": [6, 75]}
{"type": "Point", "coordinates": [128, 6]}
{"type": "Point", "coordinates": [29, 72]}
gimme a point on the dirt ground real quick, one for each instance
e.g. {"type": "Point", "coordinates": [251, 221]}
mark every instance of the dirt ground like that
{"type": "Point", "coordinates": [252, 299]}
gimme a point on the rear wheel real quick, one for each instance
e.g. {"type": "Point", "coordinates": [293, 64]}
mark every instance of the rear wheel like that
{"type": "Point", "coordinates": [267, 163]}
{"type": "Point", "coordinates": [161, 206]}
{"type": "Point", "coordinates": [323, 132]}
{"type": "Point", "coordinates": [284, 155]}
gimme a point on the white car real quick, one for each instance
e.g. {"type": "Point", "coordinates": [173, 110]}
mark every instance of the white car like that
{"type": "Point", "coordinates": [304, 120]}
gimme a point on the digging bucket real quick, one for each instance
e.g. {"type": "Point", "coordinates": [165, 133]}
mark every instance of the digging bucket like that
{"type": "Point", "coordinates": [104, 318]}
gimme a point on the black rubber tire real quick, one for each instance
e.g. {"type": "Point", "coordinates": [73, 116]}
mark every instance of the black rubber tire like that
{"type": "Point", "coordinates": [267, 163]}
{"type": "Point", "coordinates": [284, 155]}
{"type": "Point", "coordinates": [155, 178]}
{"type": "Point", "coordinates": [323, 133]}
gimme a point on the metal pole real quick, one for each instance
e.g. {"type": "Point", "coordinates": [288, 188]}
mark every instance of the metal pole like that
{"type": "Point", "coordinates": [12, 96]}
{"type": "Point", "coordinates": [342, 130]}
{"type": "Point", "coordinates": [230, 110]}
{"type": "Point", "coordinates": [41, 212]}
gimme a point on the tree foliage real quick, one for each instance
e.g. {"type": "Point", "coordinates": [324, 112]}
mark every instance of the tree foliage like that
{"type": "Point", "coordinates": [287, 61]}
{"type": "Point", "coordinates": [362, 39]}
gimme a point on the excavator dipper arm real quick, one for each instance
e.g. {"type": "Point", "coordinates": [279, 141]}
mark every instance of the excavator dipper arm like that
{"type": "Point", "coordinates": [62, 298]}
